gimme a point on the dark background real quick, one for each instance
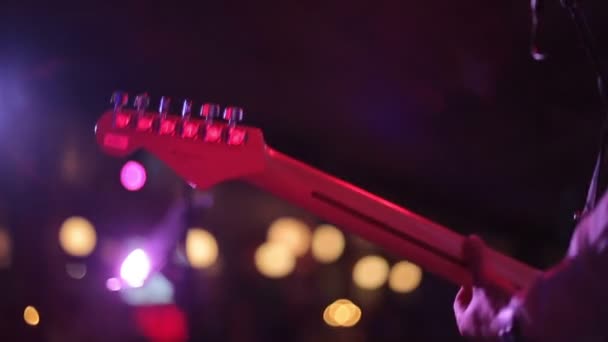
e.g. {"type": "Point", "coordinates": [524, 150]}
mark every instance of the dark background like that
{"type": "Point", "coordinates": [434, 105]}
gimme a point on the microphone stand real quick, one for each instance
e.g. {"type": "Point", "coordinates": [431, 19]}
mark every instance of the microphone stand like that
{"type": "Point", "coordinates": [575, 10]}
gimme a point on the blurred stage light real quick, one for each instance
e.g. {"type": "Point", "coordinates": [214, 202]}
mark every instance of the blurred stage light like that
{"type": "Point", "coordinates": [292, 232]}
{"type": "Point", "coordinates": [370, 272]}
{"type": "Point", "coordinates": [342, 313]}
{"type": "Point", "coordinates": [133, 176]}
{"type": "Point", "coordinates": [201, 248]}
{"type": "Point", "coordinates": [327, 244]}
{"type": "Point", "coordinates": [31, 316]}
{"type": "Point", "coordinates": [76, 270]}
{"type": "Point", "coordinates": [156, 290]}
{"type": "Point", "coordinates": [77, 236]}
{"type": "Point", "coordinates": [6, 248]}
{"type": "Point", "coordinates": [274, 260]}
{"type": "Point", "coordinates": [404, 277]}
{"type": "Point", "coordinates": [162, 323]}
{"type": "Point", "coordinates": [113, 284]}
{"type": "Point", "coordinates": [136, 268]}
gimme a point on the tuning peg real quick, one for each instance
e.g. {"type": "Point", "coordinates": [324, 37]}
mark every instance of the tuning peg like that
{"type": "Point", "coordinates": [235, 135]}
{"type": "Point", "coordinates": [233, 115]}
{"type": "Point", "coordinates": [210, 111]}
{"type": "Point", "coordinates": [187, 109]}
{"type": "Point", "coordinates": [141, 102]}
{"type": "Point", "coordinates": [165, 103]}
{"type": "Point", "coordinates": [119, 99]}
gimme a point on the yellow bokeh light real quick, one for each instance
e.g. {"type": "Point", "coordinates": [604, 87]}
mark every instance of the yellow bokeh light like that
{"type": "Point", "coordinates": [6, 248]}
{"type": "Point", "coordinates": [342, 313]}
{"type": "Point", "coordinates": [77, 236]}
{"type": "Point", "coordinates": [355, 316]}
{"type": "Point", "coordinates": [404, 277]}
{"type": "Point", "coordinates": [201, 248]}
{"type": "Point", "coordinates": [328, 316]}
{"type": "Point", "coordinates": [370, 272]}
{"type": "Point", "coordinates": [31, 316]}
{"type": "Point", "coordinates": [292, 232]}
{"type": "Point", "coordinates": [327, 244]}
{"type": "Point", "coordinates": [274, 260]}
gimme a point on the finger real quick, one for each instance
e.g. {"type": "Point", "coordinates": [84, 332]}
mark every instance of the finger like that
{"type": "Point", "coordinates": [463, 299]}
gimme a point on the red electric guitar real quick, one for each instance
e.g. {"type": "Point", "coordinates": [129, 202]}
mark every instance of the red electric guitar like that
{"type": "Point", "coordinates": [208, 149]}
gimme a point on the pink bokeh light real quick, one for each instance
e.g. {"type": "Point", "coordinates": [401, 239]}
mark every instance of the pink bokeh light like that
{"type": "Point", "coordinates": [133, 176]}
{"type": "Point", "coordinates": [113, 284]}
{"type": "Point", "coordinates": [136, 268]}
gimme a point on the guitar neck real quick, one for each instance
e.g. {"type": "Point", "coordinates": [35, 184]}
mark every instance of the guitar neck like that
{"type": "Point", "coordinates": [435, 248]}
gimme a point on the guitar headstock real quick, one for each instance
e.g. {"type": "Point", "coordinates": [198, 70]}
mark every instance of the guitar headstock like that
{"type": "Point", "coordinates": [204, 149]}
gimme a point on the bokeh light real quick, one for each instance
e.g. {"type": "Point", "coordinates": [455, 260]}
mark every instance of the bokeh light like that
{"type": "Point", "coordinates": [274, 260]}
{"type": "Point", "coordinates": [157, 290]}
{"type": "Point", "coordinates": [162, 323]}
{"type": "Point", "coordinates": [327, 244]}
{"type": "Point", "coordinates": [370, 272]}
{"type": "Point", "coordinates": [113, 284]}
{"type": "Point", "coordinates": [6, 248]}
{"type": "Point", "coordinates": [292, 232]}
{"type": "Point", "coordinates": [404, 277]}
{"type": "Point", "coordinates": [77, 236]}
{"type": "Point", "coordinates": [201, 248]}
{"type": "Point", "coordinates": [76, 270]}
{"type": "Point", "coordinates": [31, 316]}
{"type": "Point", "coordinates": [342, 313]}
{"type": "Point", "coordinates": [133, 175]}
{"type": "Point", "coordinates": [136, 268]}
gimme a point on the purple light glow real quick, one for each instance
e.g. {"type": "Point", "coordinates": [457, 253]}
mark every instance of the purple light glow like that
{"type": "Point", "coordinates": [113, 284]}
{"type": "Point", "coordinates": [133, 176]}
{"type": "Point", "coordinates": [136, 268]}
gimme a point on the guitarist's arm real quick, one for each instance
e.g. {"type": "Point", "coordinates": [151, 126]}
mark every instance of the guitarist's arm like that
{"type": "Point", "coordinates": [568, 302]}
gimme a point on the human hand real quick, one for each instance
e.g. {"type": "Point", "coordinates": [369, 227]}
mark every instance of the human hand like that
{"type": "Point", "coordinates": [477, 307]}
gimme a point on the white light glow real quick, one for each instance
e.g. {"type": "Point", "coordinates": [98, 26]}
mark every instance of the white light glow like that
{"type": "Point", "coordinates": [136, 268]}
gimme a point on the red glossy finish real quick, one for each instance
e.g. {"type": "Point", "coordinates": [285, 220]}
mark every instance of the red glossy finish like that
{"type": "Point", "coordinates": [167, 126]}
{"type": "Point", "coordinates": [213, 133]}
{"type": "Point", "coordinates": [122, 120]}
{"type": "Point", "coordinates": [144, 123]}
{"type": "Point", "coordinates": [189, 158]}
{"type": "Point", "coordinates": [236, 136]}
{"type": "Point", "coordinates": [190, 129]}
{"type": "Point", "coordinates": [415, 238]}
{"type": "Point", "coordinates": [434, 247]}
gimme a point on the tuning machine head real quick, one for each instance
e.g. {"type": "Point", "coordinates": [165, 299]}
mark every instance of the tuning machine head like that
{"type": "Point", "coordinates": [119, 99]}
{"type": "Point", "coordinates": [141, 102]}
{"type": "Point", "coordinates": [233, 115]}
{"type": "Point", "coordinates": [235, 135]}
{"type": "Point", "coordinates": [187, 109]}
{"type": "Point", "coordinates": [165, 105]}
{"type": "Point", "coordinates": [210, 111]}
